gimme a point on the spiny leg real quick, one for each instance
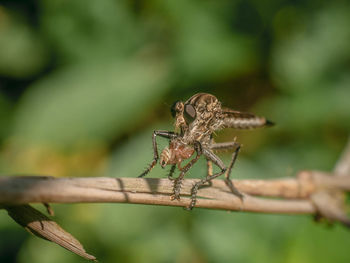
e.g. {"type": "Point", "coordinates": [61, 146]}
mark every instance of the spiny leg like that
{"type": "Point", "coordinates": [184, 170]}
{"type": "Point", "coordinates": [228, 173]}
{"type": "Point", "coordinates": [216, 160]}
{"type": "Point", "coordinates": [164, 134]}
{"type": "Point", "coordinates": [171, 172]}
{"type": "Point", "coordinates": [229, 145]}
{"type": "Point", "coordinates": [177, 187]}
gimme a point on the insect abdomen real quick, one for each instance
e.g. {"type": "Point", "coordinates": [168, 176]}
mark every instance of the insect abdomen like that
{"type": "Point", "coordinates": [242, 120]}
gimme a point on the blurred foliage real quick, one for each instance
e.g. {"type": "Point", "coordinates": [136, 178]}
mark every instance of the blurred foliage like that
{"type": "Point", "coordinates": [84, 83]}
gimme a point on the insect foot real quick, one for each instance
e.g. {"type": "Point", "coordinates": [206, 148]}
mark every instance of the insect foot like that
{"type": "Point", "coordinates": [194, 191]}
{"type": "Point", "coordinates": [177, 187]}
{"type": "Point", "coordinates": [233, 189]}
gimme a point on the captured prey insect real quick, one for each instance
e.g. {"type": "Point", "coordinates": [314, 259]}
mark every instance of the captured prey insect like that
{"type": "Point", "coordinates": [195, 122]}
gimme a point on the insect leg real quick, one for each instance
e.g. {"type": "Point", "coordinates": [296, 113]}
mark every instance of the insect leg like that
{"type": "Point", "coordinates": [184, 170]}
{"type": "Point", "coordinates": [164, 134]}
{"type": "Point", "coordinates": [209, 168]}
{"type": "Point", "coordinates": [209, 162]}
{"type": "Point", "coordinates": [171, 172]}
{"type": "Point", "coordinates": [229, 145]}
{"type": "Point", "coordinates": [177, 187]}
{"type": "Point", "coordinates": [216, 160]}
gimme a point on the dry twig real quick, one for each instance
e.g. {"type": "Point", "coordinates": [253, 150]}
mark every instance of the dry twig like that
{"type": "Point", "coordinates": [151, 191]}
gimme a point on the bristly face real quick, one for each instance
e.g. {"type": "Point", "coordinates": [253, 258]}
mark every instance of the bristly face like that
{"type": "Point", "coordinates": [184, 114]}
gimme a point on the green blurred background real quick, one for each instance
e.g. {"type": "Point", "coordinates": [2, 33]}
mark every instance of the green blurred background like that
{"type": "Point", "coordinates": [84, 83]}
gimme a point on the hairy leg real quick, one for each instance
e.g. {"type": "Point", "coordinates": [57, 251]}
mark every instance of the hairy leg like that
{"type": "Point", "coordinates": [171, 172]}
{"type": "Point", "coordinates": [227, 146]}
{"type": "Point", "coordinates": [216, 160]}
{"type": "Point", "coordinates": [164, 134]}
{"type": "Point", "coordinates": [237, 147]}
{"type": "Point", "coordinates": [212, 158]}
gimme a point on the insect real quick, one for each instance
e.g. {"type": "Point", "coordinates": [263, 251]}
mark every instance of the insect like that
{"type": "Point", "coordinates": [195, 122]}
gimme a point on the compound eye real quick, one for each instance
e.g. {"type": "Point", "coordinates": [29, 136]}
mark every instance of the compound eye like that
{"type": "Point", "coordinates": [189, 113]}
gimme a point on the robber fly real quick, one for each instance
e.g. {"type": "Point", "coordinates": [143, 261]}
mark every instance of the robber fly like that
{"type": "Point", "coordinates": [195, 122]}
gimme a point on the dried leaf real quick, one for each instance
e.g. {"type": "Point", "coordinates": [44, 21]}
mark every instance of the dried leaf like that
{"type": "Point", "coordinates": [43, 227]}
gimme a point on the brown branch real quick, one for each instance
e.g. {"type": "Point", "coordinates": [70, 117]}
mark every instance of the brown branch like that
{"type": "Point", "coordinates": [38, 189]}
